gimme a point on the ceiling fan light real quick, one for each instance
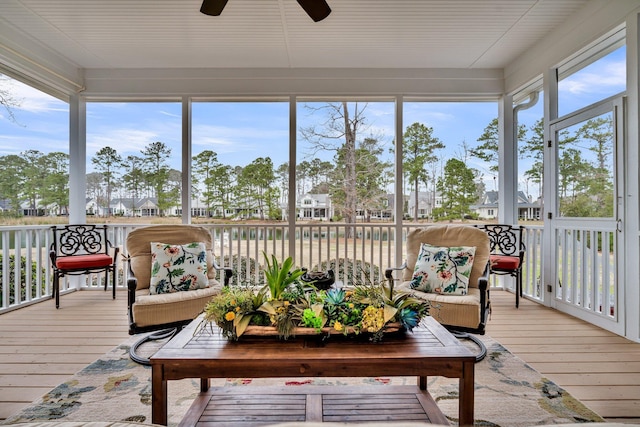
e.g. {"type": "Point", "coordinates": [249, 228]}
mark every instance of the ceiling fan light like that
{"type": "Point", "coordinates": [213, 7]}
{"type": "Point", "coordinates": [316, 9]}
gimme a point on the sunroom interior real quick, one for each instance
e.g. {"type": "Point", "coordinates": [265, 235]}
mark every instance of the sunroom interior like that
{"type": "Point", "coordinates": [396, 54]}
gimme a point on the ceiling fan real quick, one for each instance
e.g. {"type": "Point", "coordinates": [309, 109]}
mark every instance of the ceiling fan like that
{"type": "Point", "coordinates": [316, 9]}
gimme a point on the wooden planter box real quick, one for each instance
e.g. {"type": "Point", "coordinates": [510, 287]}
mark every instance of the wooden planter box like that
{"type": "Point", "coordinates": [264, 331]}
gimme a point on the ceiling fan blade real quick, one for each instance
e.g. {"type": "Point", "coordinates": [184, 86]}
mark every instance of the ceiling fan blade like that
{"type": "Point", "coordinates": [213, 7]}
{"type": "Point", "coordinates": [316, 9]}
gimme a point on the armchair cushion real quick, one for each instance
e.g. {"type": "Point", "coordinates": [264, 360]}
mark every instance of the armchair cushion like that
{"type": "Point", "coordinates": [178, 268]}
{"type": "Point", "coordinates": [443, 270]}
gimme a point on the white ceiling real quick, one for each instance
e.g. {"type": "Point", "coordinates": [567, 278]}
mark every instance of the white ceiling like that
{"type": "Point", "coordinates": [467, 34]}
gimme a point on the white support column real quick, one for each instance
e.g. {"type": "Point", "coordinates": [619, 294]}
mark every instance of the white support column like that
{"type": "Point", "coordinates": [77, 159]}
{"type": "Point", "coordinates": [399, 197]}
{"type": "Point", "coordinates": [549, 248]}
{"type": "Point", "coordinates": [291, 209]}
{"type": "Point", "coordinates": [508, 161]}
{"type": "Point", "coordinates": [186, 160]}
{"type": "Point", "coordinates": [631, 221]}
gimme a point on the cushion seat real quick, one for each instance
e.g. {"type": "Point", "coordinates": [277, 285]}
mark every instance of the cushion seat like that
{"type": "Point", "coordinates": [83, 261]}
{"type": "Point", "coordinates": [504, 262]}
{"type": "Point", "coordinates": [151, 309]}
{"type": "Point", "coordinates": [460, 310]}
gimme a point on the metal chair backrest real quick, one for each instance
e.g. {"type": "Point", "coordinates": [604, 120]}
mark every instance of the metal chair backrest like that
{"type": "Point", "coordinates": [505, 239]}
{"type": "Point", "coordinates": [80, 239]}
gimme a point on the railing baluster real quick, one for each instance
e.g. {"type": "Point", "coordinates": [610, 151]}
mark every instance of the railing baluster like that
{"type": "Point", "coordinates": [240, 244]}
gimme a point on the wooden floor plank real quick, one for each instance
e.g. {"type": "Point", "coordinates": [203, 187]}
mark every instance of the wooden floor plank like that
{"type": "Point", "coordinates": [535, 356]}
{"type": "Point", "coordinates": [589, 362]}
{"type": "Point", "coordinates": [25, 380]}
{"type": "Point", "coordinates": [43, 343]}
{"type": "Point", "coordinates": [36, 369]}
{"type": "Point", "coordinates": [598, 379]}
{"type": "Point", "coordinates": [596, 366]}
{"type": "Point", "coordinates": [85, 358]}
{"type": "Point", "coordinates": [589, 367]}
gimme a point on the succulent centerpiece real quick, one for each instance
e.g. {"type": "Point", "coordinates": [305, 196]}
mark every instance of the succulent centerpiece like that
{"type": "Point", "coordinates": [287, 306]}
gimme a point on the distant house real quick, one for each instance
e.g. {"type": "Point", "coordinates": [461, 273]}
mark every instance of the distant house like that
{"type": "Point", "coordinates": [29, 210]}
{"type": "Point", "coordinates": [128, 206]}
{"type": "Point", "coordinates": [385, 212]}
{"type": "Point", "coordinates": [427, 201]}
{"type": "Point", "coordinates": [488, 206]}
{"type": "Point", "coordinates": [200, 210]}
{"type": "Point", "coordinates": [91, 207]}
{"type": "Point", "coordinates": [313, 207]}
{"type": "Point", "coordinates": [5, 205]}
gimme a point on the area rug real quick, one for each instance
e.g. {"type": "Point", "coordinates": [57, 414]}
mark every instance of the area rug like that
{"type": "Point", "coordinates": [508, 392]}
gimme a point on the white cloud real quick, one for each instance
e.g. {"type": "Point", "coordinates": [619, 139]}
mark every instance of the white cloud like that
{"type": "Point", "coordinates": [124, 141]}
{"type": "Point", "coordinates": [167, 113]}
{"type": "Point", "coordinates": [32, 100]}
{"type": "Point", "coordinates": [608, 77]}
{"type": "Point", "coordinates": [16, 144]}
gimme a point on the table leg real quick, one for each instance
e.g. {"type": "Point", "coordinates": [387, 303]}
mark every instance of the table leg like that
{"type": "Point", "coordinates": [422, 382]}
{"type": "Point", "coordinates": [466, 403]}
{"type": "Point", "coordinates": [204, 384]}
{"type": "Point", "coordinates": [158, 395]}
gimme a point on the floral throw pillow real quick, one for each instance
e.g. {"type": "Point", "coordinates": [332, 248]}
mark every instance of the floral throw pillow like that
{"type": "Point", "coordinates": [443, 270]}
{"type": "Point", "coordinates": [176, 268]}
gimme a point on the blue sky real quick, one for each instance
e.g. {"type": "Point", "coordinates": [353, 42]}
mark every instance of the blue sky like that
{"type": "Point", "coordinates": [241, 132]}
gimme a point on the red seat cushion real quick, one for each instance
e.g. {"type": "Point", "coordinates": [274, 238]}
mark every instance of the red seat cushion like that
{"type": "Point", "coordinates": [78, 262]}
{"type": "Point", "coordinates": [504, 262]}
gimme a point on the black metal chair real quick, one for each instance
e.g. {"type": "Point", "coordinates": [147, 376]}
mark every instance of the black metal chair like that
{"type": "Point", "coordinates": [79, 249]}
{"type": "Point", "coordinates": [507, 252]}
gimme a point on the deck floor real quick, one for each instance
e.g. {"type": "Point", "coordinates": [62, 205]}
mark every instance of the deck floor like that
{"type": "Point", "coordinates": [42, 347]}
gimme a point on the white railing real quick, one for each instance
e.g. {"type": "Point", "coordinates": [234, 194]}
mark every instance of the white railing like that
{"type": "Point", "coordinates": [25, 265]}
{"type": "Point", "coordinates": [532, 267]}
{"type": "Point", "coordinates": [365, 247]}
{"type": "Point", "coordinates": [586, 269]}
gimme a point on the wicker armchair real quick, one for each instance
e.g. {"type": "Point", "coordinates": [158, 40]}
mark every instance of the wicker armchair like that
{"type": "Point", "coordinates": [468, 312]}
{"type": "Point", "coordinates": [165, 312]}
{"type": "Point", "coordinates": [461, 314]}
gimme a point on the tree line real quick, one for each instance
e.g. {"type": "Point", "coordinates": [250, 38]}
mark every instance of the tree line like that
{"type": "Point", "coordinates": [357, 179]}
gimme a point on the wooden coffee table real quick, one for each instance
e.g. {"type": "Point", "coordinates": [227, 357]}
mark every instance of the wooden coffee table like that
{"type": "Point", "coordinates": [429, 350]}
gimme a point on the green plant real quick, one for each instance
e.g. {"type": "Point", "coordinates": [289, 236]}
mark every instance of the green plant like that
{"type": "Point", "coordinates": [368, 307]}
{"type": "Point", "coordinates": [23, 278]}
{"type": "Point", "coordinates": [312, 318]}
{"type": "Point", "coordinates": [232, 310]}
{"type": "Point", "coordinates": [280, 276]}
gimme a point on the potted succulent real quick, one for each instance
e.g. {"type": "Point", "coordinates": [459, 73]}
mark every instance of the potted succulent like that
{"type": "Point", "coordinates": [287, 306]}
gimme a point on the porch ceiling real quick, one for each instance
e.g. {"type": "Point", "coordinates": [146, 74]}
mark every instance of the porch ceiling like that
{"type": "Point", "coordinates": [120, 34]}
